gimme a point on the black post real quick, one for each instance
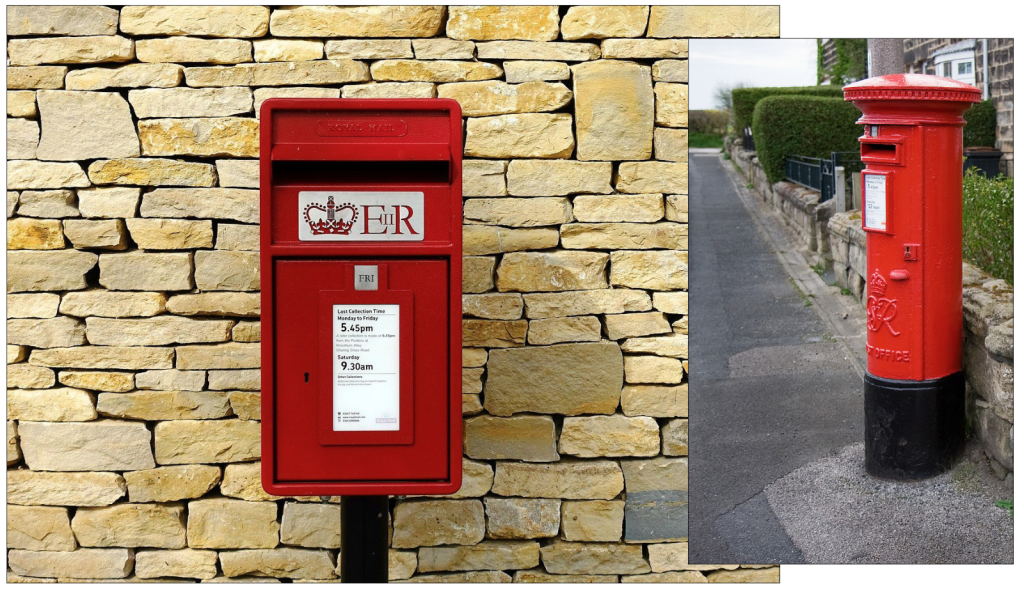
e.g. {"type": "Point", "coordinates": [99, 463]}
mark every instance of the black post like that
{"type": "Point", "coordinates": [364, 539]}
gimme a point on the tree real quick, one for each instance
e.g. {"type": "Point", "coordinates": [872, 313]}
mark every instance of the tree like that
{"type": "Point", "coordinates": [723, 95]}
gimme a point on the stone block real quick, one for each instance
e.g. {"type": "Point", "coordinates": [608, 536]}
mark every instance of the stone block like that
{"type": "Point", "coordinates": [311, 525]}
{"type": "Point", "coordinates": [521, 518]}
{"type": "Point", "coordinates": [570, 479]}
{"type": "Point", "coordinates": [564, 379]}
{"type": "Point", "coordinates": [106, 381]}
{"type": "Point", "coordinates": [601, 559]}
{"type": "Point", "coordinates": [718, 21]}
{"type": "Point", "coordinates": [32, 174]}
{"type": "Point", "coordinates": [671, 144]}
{"type": "Point", "coordinates": [56, 404]}
{"type": "Point", "coordinates": [673, 345]}
{"type": "Point", "coordinates": [578, 303]}
{"type": "Point", "coordinates": [84, 563]}
{"type": "Point", "coordinates": [105, 234]}
{"type": "Point", "coordinates": [24, 375]}
{"type": "Point", "coordinates": [287, 50]}
{"type": "Point", "coordinates": [478, 239]}
{"type": "Point", "coordinates": [494, 97]}
{"type": "Point", "coordinates": [131, 525]}
{"type": "Point", "coordinates": [22, 139]}
{"type": "Point", "coordinates": [85, 447]}
{"type": "Point", "coordinates": [549, 331]}
{"type": "Point", "coordinates": [483, 178]}
{"type": "Point", "coordinates": [171, 483]}
{"type": "Point", "coordinates": [208, 21]}
{"type": "Point", "coordinates": [614, 111]}
{"type": "Point", "coordinates": [39, 528]}
{"type": "Point", "coordinates": [186, 563]}
{"type": "Point", "coordinates": [532, 50]}
{"type": "Point", "coordinates": [78, 489]}
{"type": "Point", "coordinates": [215, 304]}
{"type": "Point", "coordinates": [433, 71]}
{"type": "Point", "coordinates": [390, 90]}
{"type": "Point", "coordinates": [245, 379]}
{"type": "Point", "coordinates": [493, 333]}
{"type": "Point", "coordinates": [313, 72]}
{"type": "Point", "coordinates": [524, 437]}
{"type": "Point", "coordinates": [401, 565]}
{"type": "Point", "coordinates": [361, 21]}
{"type": "Point", "coordinates": [112, 304]}
{"type": "Point", "coordinates": [34, 234]}
{"type": "Point", "coordinates": [534, 23]}
{"type": "Point", "coordinates": [761, 575]}
{"type": "Point", "coordinates": [503, 555]}
{"type": "Point", "coordinates": [552, 271]}
{"type": "Point", "coordinates": [170, 379]}
{"type": "Point", "coordinates": [89, 357]}
{"type": "Point", "coordinates": [234, 204]}
{"type": "Point", "coordinates": [509, 211]}
{"type": "Point", "coordinates": [661, 270]}
{"type": "Point", "coordinates": [623, 326]}
{"type": "Point", "coordinates": [540, 178]}
{"type": "Point", "coordinates": [128, 76]}
{"type": "Point", "coordinates": [496, 306]}
{"type": "Point", "coordinates": [100, 122]}
{"type": "Point", "coordinates": [238, 237]}
{"type": "Point", "coordinates": [592, 521]}
{"type": "Point", "coordinates": [656, 401]}
{"type": "Point", "coordinates": [245, 405]}
{"type": "Point", "coordinates": [190, 102]}
{"type": "Point", "coordinates": [144, 271]}
{"type": "Point", "coordinates": [443, 49]}
{"type": "Point", "coordinates": [220, 136]}
{"type": "Point", "coordinates": [291, 563]}
{"type": "Point", "coordinates": [477, 274]}
{"type": "Point", "coordinates": [671, 104]}
{"type": "Point", "coordinates": [152, 172]}
{"type": "Point", "coordinates": [670, 71]}
{"type": "Point", "coordinates": [526, 135]}
{"type": "Point", "coordinates": [198, 442]}
{"type": "Point", "coordinates": [155, 405]}
{"type": "Point", "coordinates": [224, 270]}
{"type": "Point", "coordinates": [651, 177]}
{"type": "Point", "coordinates": [239, 173]}
{"type": "Point", "coordinates": [599, 22]}
{"type": "Point", "coordinates": [416, 523]}
{"type": "Point", "coordinates": [368, 49]}
{"type": "Point", "coordinates": [618, 208]}
{"type": "Point", "coordinates": [21, 103]}
{"type": "Point", "coordinates": [644, 48]}
{"type": "Point", "coordinates": [193, 50]}
{"type": "Point", "coordinates": [61, 20]}
{"type": "Point", "coordinates": [675, 437]}
{"type": "Point", "coordinates": [517, 71]}
{"type": "Point", "coordinates": [220, 523]}
{"type": "Point", "coordinates": [651, 369]}
{"type": "Point", "coordinates": [675, 302]}
{"type": "Point", "coordinates": [625, 235]}
{"type": "Point", "coordinates": [48, 204]}
{"type": "Point", "coordinates": [611, 436]}
{"type": "Point", "coordinates": [70, 50]}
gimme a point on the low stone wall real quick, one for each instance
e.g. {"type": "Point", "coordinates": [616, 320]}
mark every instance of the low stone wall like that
{"type": "Point", "coordinates": [988, 339]}
{"type": "Point", "coordinates": [800, 207]}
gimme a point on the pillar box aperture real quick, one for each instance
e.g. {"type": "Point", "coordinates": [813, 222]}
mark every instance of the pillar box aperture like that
{"type": "Point", "coordinates": [912, 214]}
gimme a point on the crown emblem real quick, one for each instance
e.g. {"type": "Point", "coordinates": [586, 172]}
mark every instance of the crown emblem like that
{"type": "Point", "coordinates": [330, 218]}
{"type": "Point", "coordinates": [877, 284]}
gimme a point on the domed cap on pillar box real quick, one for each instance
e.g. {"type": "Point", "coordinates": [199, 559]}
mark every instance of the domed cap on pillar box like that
{"type": "Point", "coordinates": [911, 99]}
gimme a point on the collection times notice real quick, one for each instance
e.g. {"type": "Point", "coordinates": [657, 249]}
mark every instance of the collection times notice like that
{"type": "Point", "coordinates": [366, 367]}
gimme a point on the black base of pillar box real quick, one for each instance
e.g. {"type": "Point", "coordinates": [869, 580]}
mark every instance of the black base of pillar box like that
{"type": "Point", "coordinates": [364, 539]}
{"type": "Point", "coordinates": [913, 429]}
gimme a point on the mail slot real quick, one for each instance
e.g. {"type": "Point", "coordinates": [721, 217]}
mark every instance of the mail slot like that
{"type": "Point", "coordinates": [361, 246]}
{"type": "Point", "coordinates": [912, 215]}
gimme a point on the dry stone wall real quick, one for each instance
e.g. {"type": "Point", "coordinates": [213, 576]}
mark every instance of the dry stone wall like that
{"type": "Point", "coordinates": [133, 308]}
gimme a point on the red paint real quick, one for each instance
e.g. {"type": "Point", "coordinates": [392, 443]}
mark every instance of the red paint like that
{"type": "Point", "coordinates": [361, 145]}
{"type": "Point", "coordinates": [914, 281]}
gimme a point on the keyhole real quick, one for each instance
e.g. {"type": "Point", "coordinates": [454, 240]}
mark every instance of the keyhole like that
{"type": "Point", "coordinates": [306, 377]}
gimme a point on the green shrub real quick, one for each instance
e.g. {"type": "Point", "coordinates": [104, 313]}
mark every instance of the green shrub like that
{"type": "Point", "coordinates": [981, 125]}
{"type": "Point", "coordinates": [988, 223]}
{"type": "Point", "coordinates": [804, 125]}
{"type": "Point", "coordinates": [745, 99]}
{"type": "Point", "coordinates": [709, 121]}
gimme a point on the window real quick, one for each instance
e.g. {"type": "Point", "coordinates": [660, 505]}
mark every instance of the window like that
{"type": "Point", "coordinates": [964, 68]}
{"type": "Point", "coordinates": [947, 69]}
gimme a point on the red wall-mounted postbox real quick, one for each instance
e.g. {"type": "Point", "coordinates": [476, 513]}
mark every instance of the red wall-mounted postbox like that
{"type": "Point", "coordinates": [361, 250]}
{"type": "Point", "coordinates": [912, 214]}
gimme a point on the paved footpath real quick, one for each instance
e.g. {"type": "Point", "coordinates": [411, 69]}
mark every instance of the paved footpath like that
{"type": "Point", "coordinates": [776, 410]}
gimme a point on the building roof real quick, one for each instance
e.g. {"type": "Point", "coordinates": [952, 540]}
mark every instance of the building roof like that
{"type": "Point", "coordinates": [965, 45]}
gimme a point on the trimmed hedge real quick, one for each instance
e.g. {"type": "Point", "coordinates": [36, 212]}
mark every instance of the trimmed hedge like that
{"type": "Point", "coordinates": [981, 125]}
{"type": "Point", "coordinates": [988, 223]}
{"type": "Point", "coordinates": [806, 125]}
{"type": "Point", "coordinates": [745, 99]}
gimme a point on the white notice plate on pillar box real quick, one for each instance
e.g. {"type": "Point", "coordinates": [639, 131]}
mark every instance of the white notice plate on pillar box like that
{"type": "Point", "coordinates": [366, 367]}
{"type": "Point", "coordinates": [875, 202]}
{"type": "Point", "coordinates": [360, 215]}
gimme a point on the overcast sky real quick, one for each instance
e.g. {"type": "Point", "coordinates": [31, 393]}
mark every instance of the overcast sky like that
{"type": "Point", "coordinates": [756, 62]}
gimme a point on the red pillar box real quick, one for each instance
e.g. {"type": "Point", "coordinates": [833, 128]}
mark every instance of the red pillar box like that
{"type": "Point", "coordinates": [912, 213]}
{"type": "Point", "coordinates": [361, 263]}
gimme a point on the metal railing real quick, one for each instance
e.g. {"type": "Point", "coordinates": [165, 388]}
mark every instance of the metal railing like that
{"type": "Point", "coordinates": [748, 140]}
{"type": "Point", "coordinates": [820, 173]}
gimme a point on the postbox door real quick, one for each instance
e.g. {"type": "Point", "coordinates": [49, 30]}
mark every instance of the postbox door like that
{"type": "Point", "coordinates": [318, 325]}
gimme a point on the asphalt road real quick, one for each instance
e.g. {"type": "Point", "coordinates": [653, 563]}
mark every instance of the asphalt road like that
{"type": "Point", "coordinates": [770, 389]}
